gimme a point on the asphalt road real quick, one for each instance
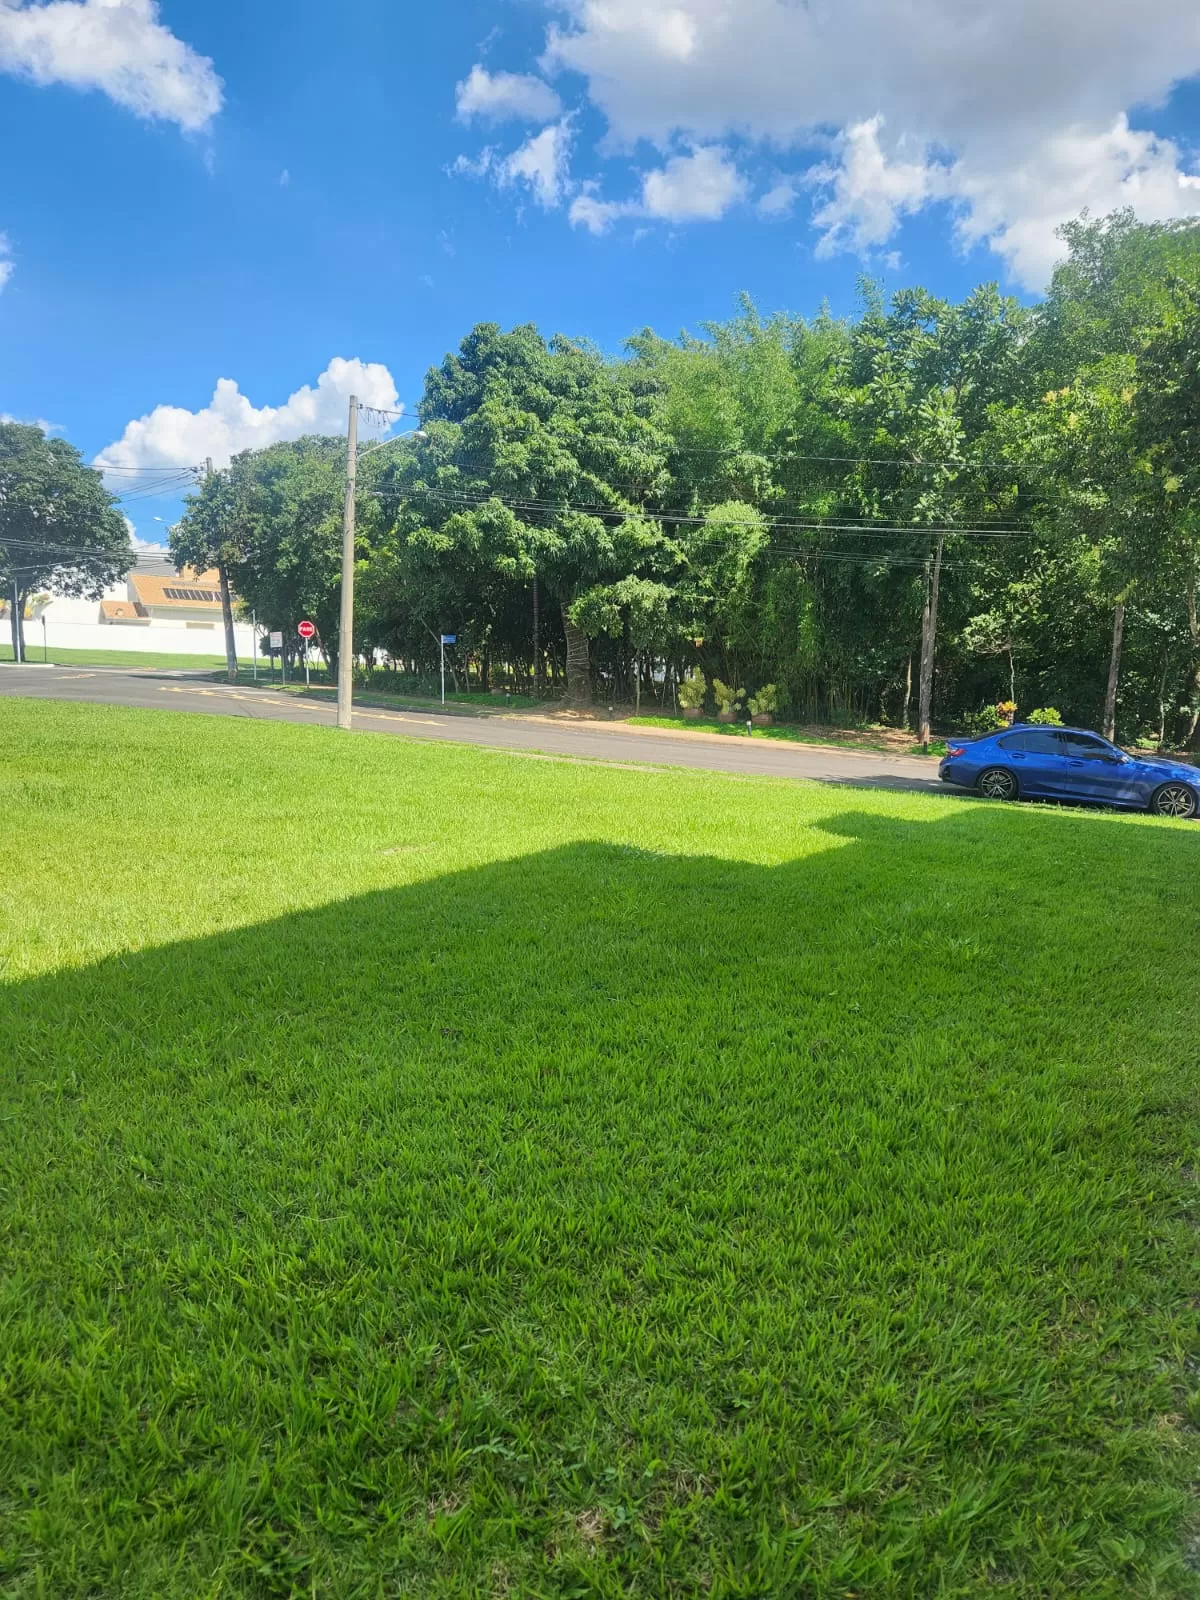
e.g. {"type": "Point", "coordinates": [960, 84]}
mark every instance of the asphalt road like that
{"type": "Point", "coordinates": [163, 691]}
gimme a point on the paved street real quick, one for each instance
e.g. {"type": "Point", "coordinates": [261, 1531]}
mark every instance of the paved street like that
{"type": "Point", "coordinates": [163, 691]}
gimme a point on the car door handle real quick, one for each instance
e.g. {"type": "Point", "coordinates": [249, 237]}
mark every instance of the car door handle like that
{"type": "Point", "coordinates": [1077, 762]}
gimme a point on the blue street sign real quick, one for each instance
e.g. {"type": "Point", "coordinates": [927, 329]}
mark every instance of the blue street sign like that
{"type": "Point", "coordinates": [449, 638]}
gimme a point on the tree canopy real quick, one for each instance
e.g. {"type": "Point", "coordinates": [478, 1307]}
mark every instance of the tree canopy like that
{"type": "Point", "coordinates": [906, 514]}
{"type": "Point", "coordinates": [59, 527]}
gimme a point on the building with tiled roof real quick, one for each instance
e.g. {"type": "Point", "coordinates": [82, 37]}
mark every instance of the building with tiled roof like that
{"type": "Point", "coordinates": [121, 611]}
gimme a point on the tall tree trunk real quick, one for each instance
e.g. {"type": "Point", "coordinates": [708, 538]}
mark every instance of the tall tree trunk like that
{"type": "Point", "coordinates": [227, 617]}
{"type": "Point", "coordinates": [929, 645]}
{"type": "Point", "coordinates": [1194, 686]}
{"type": "Point", "coordinates": [579, 670]}
{"type": "Point", "coordinates": [1114, 671]}
{"type": "Point", "coordinates": [907, 692]}
{"type": "Point", "coordinates": [637, 684]}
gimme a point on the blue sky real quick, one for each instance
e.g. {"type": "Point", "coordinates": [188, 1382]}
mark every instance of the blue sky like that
{"type": "Point", "coordinates": [267, 193]}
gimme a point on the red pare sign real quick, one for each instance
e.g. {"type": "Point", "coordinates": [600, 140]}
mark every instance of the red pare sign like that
{"type": "Point", "coordinates": [307, 630]}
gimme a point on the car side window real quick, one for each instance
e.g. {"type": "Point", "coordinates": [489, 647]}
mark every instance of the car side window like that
{"type": "Point", "coordinates": [1014, 741]}
{"type": "Point", "coordinates": [1041, 742]}
{"type": "Point", "coordinates": [1086, 747]}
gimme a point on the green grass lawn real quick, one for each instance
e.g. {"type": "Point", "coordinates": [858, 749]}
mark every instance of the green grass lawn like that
{"type": "Point", "coordinates": [319, 689]}
{"type": "Point", "coordinates": [112, 658]}
{"type": "Point", "coordinates": [434, 1172]}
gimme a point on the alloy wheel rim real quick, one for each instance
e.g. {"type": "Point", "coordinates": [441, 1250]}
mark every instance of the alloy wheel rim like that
{"type": "Point", "coordinates": [997, 786]}
{"type": "Point", "coordinates": [1176, 801]}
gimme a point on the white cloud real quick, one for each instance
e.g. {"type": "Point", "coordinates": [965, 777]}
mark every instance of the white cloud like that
{"type": "Point", "coordinates": [285, 178]}
{"type": "Point", "coordinates": [1013, 111]}
{"type": "Point", "coordinates": [699, 187]}
{"type": "Point", "coordinates": [117, 46]}
{"type": "Point", "coordinates": [172, 436]}
{"type": "Point", "coordinates": [499, 96]}
{"type": "Point", "coordinates": [542, 163]}
{"type": "Point", "coordinates": [871, 190]}
{"type": "Point", "coordinates": [779, 200]}
{"type": "Point", "coordinates": [7, 265]}
{"type": "Point", "coordinates": [1015, 210]}
{"type": "Point", "coordinates": [596, 215]}
{"type": "Point", "coordinates": [696, 188]}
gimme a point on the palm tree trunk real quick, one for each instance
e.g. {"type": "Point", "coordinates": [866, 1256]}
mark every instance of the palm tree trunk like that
{"type": "Point", "coordinates": [1114, 671]}
{"type": "Point", "coordinates": [579, 668]}
{"type": "Point", "coordinates": [929, 645]}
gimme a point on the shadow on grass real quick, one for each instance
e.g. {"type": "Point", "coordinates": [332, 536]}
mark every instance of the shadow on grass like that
{"type": "Point", "coordinates": [604, 1221]}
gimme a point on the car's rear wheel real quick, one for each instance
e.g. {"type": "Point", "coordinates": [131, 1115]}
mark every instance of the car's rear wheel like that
{"type": "Point", "coordinates": [997, 783]}
{"type": "Point", "coordinates": [1175, 800]}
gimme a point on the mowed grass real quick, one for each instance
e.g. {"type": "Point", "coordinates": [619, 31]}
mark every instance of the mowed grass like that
{"type": "Point", "coordinates": [162, 660]}
{"type": "Point", "coordinates": [434, 1172]}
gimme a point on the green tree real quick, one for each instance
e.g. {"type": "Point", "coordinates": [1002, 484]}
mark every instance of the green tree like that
{"type": "Point", "coordinates": [1168, 426]}
{"type": "Point", "coordinates": [921, 378]}
{"type": "Point", "coordinates": [541, 459]}
{"type": "Point", "coordinates": [59, 526]}
{"type": "Point", "coordinates": [274, 517]}
{"type": "Point", "coordinates": [207, 536]}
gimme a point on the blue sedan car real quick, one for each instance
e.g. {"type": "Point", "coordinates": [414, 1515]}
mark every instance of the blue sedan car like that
{"type": "Point", "coordinates": [1069, 764]}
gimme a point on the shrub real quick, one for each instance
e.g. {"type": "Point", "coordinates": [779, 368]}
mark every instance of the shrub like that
{"type": "Point", "coordinates": [766, 702]}
{"type": "Point", "coordinates": [727, 699]}
{"type": "Point", "coordinates": [1046, 717]}
{"type": "Point", "coordinates": [985, 721]}
{"type": "Point", "coordinates": [692, 690]}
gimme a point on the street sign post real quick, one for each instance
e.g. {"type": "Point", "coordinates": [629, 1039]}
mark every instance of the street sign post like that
{"type": "Point", "coordinates": [447, 638]}
{"type": "Point", "coordinates": [307, 630]}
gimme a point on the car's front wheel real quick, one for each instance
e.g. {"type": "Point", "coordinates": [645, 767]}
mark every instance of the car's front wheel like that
{"type": "Point", "coordinates": [1175, 800]}
{"type": "Point", "coordinates": [997, 783]}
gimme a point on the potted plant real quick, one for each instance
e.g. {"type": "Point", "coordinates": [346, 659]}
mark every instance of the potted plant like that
{"type": "Point", "coordinates": [1045, 717]}
{"type": "Point", "coordinates": [764, 705]}
{"type": "Point", "coordinates": [692, 690]}
{"type": "Point", "coordinates": [1006, 710]}
{"type": "Point", "coordinates": [729, 701]}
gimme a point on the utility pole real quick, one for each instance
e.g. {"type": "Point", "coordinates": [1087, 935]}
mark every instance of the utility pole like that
{"type": "Point", "coordinates": [18, 640]}
{"type": "Point", "coordinates": [346, 627]}
{"type": "Point", "coordinates": [537, 641]}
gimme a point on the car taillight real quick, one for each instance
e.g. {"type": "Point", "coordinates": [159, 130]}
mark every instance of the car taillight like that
{"type": "Point", "coordinates": [955, 749]}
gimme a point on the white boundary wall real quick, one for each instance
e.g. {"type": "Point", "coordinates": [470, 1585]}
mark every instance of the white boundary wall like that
{"type": "Point", "coordinates": [157, 638]}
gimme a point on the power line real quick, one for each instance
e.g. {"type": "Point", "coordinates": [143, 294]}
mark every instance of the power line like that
{"type": "Point", "coordinates": [174, 467]}
{"type": "Point", "coordinates": [881, 528]}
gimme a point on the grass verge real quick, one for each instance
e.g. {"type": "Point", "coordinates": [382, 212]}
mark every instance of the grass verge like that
{"type": "Point", "coordinates": [429, 1171]}
{"type": "Point", "coordinates": [163, 660]}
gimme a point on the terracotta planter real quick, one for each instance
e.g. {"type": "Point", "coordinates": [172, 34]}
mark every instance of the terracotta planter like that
{"type": "Point", "coordinates": [693, 713]}
{"type": "Point", "coordinates": [764, 719]}
{"type": "Point", "coordinates": [729, 716]}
